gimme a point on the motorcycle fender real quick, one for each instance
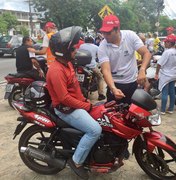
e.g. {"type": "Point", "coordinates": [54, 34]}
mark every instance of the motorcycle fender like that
{"type": "Point", "coordinates": [20, 126]}
{"type": "Point", "coordinates": [158, 139]}
{"type": "Point", "coordinates": [9, 89]}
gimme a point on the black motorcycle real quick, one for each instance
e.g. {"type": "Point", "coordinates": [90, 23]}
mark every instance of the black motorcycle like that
{"type": "Point", "coordinates": [86, 77]}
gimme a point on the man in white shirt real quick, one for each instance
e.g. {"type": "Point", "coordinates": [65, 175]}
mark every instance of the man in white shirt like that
{"type": "Point", "coordinates": [93, 49]}
{"type": "Point", "coordinates": [116, 55]}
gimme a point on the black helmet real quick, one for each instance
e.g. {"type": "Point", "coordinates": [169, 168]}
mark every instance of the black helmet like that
{"type": "Point", "coordinates": [36, 95]}
{"type": "Point", "coordinates": [89, 39]}
{"type": "Point", "coordinates": [61, 43]}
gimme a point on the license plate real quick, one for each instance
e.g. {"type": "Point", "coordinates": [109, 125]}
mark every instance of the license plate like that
{"type": "Point", "coordinates": [9, 87]}
{"type": "Point", "coordinates": [80, 77]}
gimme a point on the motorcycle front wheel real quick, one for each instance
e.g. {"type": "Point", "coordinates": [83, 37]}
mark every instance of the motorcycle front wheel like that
{"type": "Point", "coordinates": [38, 137]}
{"type": "Point", "coordinates": [159, 165]}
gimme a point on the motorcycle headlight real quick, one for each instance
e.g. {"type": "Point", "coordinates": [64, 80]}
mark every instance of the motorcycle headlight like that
{"type": "Point", "coordinates": [155, 118]}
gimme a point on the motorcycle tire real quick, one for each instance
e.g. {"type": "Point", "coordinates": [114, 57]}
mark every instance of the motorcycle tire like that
{"type": "Point", "coordinates": [37, 137]}
{"type": "Point", "coordinates": [159, 165]}
{"type": "Point", "coordinates": [15, 95]}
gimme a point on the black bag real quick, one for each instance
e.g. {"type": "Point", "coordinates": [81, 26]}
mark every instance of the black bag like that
{"type": "Point", "coordinates": [64, 109]}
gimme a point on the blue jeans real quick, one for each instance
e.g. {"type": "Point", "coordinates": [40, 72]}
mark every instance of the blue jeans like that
{"type": "Point", "coordinates": [81, 120]}
{"type": "Point", "coordinates": [169, 89]}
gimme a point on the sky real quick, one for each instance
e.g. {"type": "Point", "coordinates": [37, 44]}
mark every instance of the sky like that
{"type": "Point", "coordinates": [170, 6]}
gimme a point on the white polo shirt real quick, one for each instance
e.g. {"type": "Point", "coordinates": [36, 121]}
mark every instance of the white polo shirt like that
{"type": "Point", "coordinates": [122, 58]}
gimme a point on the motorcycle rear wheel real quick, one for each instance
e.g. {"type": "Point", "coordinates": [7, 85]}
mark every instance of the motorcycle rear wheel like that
{"type": "Point", "coordinates": [37, 137]}
{"type": "Point", "coordinates": [15, 95]}
{"type": "Point", "coordinates": [159, 165]}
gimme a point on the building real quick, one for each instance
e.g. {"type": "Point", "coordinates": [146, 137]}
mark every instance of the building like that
{"type": "Point", "coordinates": [24, 13]}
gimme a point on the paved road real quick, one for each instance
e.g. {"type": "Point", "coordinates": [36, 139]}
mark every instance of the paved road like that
{"type": "Point", "coordinates": [7, 65]}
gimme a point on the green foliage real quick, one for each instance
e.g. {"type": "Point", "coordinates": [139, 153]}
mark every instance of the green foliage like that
{"type": "Point", "coordinates": [24, 31]}
{"type": "Point", "coordinates": [10, 20]}
{"type": "Point", "coordinates": [137, 15]}
{"type": "Point", "coordinates": [3, 26]}
{"type": "Point", "coordinates": [165, 22]}
{"type": "Point", "coordinates": [73, 12]}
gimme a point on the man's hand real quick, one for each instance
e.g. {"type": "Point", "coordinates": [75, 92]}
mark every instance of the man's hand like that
{"type": "Point", "coordinates": [156, 77]}
{"type": "Point", "coordinates": [117, 93]}
{"type": "Point", "coordinates": [141, 79]}
{"type": "Point", "coordinates": [41, 73]}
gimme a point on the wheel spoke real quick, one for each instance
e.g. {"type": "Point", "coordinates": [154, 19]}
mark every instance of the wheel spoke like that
{"type": "Point", "coordinates": [33, 143]}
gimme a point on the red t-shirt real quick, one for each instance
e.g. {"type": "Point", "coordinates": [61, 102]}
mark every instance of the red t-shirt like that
{"type": "Point", "coordinates": [64, 87]}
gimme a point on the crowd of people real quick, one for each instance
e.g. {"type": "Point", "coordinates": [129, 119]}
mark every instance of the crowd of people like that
{"type": "Point", "coordinates": [113, 62]}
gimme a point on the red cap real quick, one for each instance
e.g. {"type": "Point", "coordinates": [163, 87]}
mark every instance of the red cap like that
{"type": "Point", "coordinates": [170, 38]}
{"type": "Point", "coordinates": [50, 25]}
{"type": "Point", "coordinates": [170, 28]}
{"type": "Point", "coordinates": [109, 22]}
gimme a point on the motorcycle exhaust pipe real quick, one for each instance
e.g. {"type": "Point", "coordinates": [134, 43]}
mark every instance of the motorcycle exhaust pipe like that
{"type": "Point", "coordinates": [43, 156]}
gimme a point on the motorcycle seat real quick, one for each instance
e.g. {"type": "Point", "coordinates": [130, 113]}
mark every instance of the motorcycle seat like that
{"type": "Point", "coordinates": [59, 122]}
{"type": "Point", "coordinates": [19, 75]}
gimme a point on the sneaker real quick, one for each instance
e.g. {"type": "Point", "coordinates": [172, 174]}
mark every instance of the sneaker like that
{"type": "Point", "coordinates": [169, 112]}
{"type": "Point", "coordinates": [80, 171]}
{"type": "Point", "coordinates": [101, 97]}
{"type": "Point", "coordinates": [163, 113]}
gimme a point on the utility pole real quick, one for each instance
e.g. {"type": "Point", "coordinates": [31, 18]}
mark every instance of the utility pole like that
{"type": "Point", "coordinates": [159, 6]}
{"type": "Point", "coordinates": [30, 18]}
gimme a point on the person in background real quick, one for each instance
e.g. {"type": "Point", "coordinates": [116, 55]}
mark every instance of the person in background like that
{"type": "Point", "coordinates": [170, 30]}
{"type": "Point", "coordinates": [156, 42]}
{"type": "Point", "coordinates": [26, 62]}
{"type": "Point", "coordinates": [50, 29]}
{"type": "Point", "coordinates": [149, 42]}
{"type": "Point", "coordinates": [69, 103]}
{"type": "Point", "coordinates": [93, 49]}
{"type": "Point", "coordinates": [166, 73]}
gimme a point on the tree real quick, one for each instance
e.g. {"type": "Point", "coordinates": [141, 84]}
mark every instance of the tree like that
{"type": "Point", "coordinates": [3, 26]}
{"type": "Point", "coordinates": [10, 20]}
{"type": "Point", "coordinates": [73, 12]}
{"type": "Point", "coordinates": [24, 31]}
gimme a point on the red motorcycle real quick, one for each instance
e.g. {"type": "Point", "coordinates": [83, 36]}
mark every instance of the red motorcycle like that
{"type": "Point", "coordinates": [49, 142]}
{"type": "Point", "coordinates": [18, 82]}
{"type": "Point", "coordinates": [16, 86]}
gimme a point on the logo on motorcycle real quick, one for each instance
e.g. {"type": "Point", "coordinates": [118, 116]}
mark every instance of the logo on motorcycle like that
{"type": "Point", "coordinates": [41, 118]}
{"type": "Point", "coordinates": [104, 122]}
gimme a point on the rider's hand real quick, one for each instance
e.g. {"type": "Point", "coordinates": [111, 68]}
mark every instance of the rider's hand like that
{"type": "Point", "coordinates": [117, 93]}
{"type": "Point", "coordinates": [141, 79]}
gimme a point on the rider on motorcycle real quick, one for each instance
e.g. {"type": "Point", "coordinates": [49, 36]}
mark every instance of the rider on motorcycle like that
{"type": "Point", "coordinates": [25, 60]}
{"type": "Point", "coordinates": [68, 102]}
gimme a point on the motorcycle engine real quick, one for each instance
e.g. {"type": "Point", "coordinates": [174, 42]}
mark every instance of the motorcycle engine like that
{"type": "Point", "coordinates": [108, 148]}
